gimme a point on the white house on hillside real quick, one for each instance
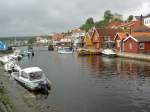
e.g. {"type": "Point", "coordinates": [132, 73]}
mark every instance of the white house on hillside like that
{"type": "Point", "coordinates": [41, 40]}
{"type": "Point", "coordinates": [147, 20]}
{"type": "Point", "coordinates": [77, 35]}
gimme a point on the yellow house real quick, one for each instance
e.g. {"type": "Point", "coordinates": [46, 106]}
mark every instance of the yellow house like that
{"type": "Point", "coordinates": [88, 42]}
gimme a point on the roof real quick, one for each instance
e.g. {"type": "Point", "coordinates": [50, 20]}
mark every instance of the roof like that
{"type": "Point", "coordinates": [77, 31]}
{"type": "Point", "coordinates": [107, 32]}
{"type": "Point", "coordinates": [57, 36]}
{"type": "Point", "coordinates": [115, 24]}
{"type": "Point", "coordinates": [122, 35]}
{"type": "Point", "coordinates": [140, 33]}
{"type": "Point", "coordinates": [139, 38]}
{"type": "Point", "coordinates": [137, 17]}
{"type": "Point", "coordinates": [142, 28]}
{"type": "Point", "coordinates": [143, 38]}
{"type": "Point", "coordinates": [147, 16]}
{"type": "Point", "coordinates": [132, 24]}
{"type": "Point", "coordinates": [32, 69]}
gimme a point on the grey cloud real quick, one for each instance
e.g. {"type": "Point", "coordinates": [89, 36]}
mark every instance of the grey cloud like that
{"type": "Point", "coordinates": [35, 17]}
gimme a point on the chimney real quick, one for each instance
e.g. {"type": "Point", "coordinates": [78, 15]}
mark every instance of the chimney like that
{"type": "Point", "coordinates": [141, 20]}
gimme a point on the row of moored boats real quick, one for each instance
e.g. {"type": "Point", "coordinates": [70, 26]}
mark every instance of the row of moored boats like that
{"type": "Point", "coordinates": [68, 50]}
{"type": "Point", "coordinates": [33, 78]}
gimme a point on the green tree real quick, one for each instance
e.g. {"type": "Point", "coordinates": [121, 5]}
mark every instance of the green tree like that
{"type": "Point", "coordinates": [86, 27]}
{"type": "Point", "coordinates": [117, 20]}
{"type": "Point", "coordinates": [108, 17]}
{"type": "Point", "coordinates": [130, 18]}
{"type": "Point", "coordinates": [90, 21]}
{"type": "Point", "coordinates": [31, 40]}
{"type": "Point", "coordinates": [100, 24]}
{"type": "Point", "coordinates": [88, 24]}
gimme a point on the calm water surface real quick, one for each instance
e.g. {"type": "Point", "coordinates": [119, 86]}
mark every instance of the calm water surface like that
{"type": "Point", "coordinates": [94, 83]}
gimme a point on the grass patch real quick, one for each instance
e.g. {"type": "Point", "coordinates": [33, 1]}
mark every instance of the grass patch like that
{"type": "Point", "coordinates": [4, 98]}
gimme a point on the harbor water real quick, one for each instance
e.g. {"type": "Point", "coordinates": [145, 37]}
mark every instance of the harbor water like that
{"type": "Point", "coordinates": [91, 83]}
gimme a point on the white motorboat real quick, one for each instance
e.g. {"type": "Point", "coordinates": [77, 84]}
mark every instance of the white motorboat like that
{"type": "Point", "coordinates": [65, 50]}
{"type": "Point", "coordinates": [11, 67]}
{"type": "Point", "coordinates": [6, 59]}
{"type": "Point", "coordinates": [25, 53]}
{"type": "Point", "coordinates": [28, 53]}
{"type": "Point", "coordinates": [15, 57]}
{"type": "Point", "coordinates": [32, 78]}
{"type": "Point", "coordinates": [109, 52]}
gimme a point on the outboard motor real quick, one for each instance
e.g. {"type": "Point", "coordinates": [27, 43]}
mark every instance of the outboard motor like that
{"type": "Point", "coordinates": [9, 71]}
{"type": "Point", "coordinates": [32, 53]}
{"type": "Point", "coordinates": [14, 70]}
{"type": "Point", "coordinates": [44, 87]}
{"type": "Point", "coordinates": [19, 58]}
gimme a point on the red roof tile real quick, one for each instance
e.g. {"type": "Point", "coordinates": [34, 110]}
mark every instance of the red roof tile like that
{"type": "Point", "coordinates": [107, 32]}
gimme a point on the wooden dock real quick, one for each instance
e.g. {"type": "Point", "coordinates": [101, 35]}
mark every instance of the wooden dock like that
{"type": "Point", "coordinates": [134, 56]}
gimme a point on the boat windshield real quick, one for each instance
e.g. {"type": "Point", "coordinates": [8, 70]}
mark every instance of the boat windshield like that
{"type": "Point", "coordinates": [67, 49]}
{"type": "Point", "coordinates": [36, 75]}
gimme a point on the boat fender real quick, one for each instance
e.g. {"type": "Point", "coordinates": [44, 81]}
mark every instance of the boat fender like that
{"type": "Point", "coordinates": [9, 71]}
{"type": "Point", "coordinates": [32, 53]}
{"type": "Point", "coordinates": [44, 87]}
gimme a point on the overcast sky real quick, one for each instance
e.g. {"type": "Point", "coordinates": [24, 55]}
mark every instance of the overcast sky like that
{"type": "Point", "coordinates": [35, 17]}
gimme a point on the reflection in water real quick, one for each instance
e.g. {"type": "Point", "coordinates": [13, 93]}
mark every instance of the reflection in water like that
{"type": "Point", "coordinates": [128, 79]}
{"type": "Point", "coordinates": [39, 95]}
{"type": "Point", "coordinates": [93, 83]}
{"type": "Point", "coordinates": [119, 66]}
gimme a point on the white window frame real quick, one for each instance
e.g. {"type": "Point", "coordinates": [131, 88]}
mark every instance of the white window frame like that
{"type": "Point", "coordinates": [24, 75]}
{"type": "Point", "coordinates": [142, 46]}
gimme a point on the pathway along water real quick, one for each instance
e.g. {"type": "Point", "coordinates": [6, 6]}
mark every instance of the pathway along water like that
{"type": "Point", "coordinates": [91, 83]}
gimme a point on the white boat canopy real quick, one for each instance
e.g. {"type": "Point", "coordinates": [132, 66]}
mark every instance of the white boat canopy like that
{"type": "Point", "coordinates": [31, 69]}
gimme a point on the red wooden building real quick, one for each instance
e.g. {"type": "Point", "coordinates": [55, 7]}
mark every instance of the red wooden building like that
{"type": "Point", "coordinates": [137, 44]}
{"type": "Point", "coordinates": [119, 40]}
{"type": "Point", "coordinates": [120, 36]}
{"type": "Point", "coordinates": [101, 35]}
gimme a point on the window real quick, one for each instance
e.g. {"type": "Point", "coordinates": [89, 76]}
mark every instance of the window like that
{"type": "Point", "coordinates": [24, 75]}
{"type": "Point", "coordinates": [141, 46]}
{"type": "Point", "coordinates": [36, 76]}
{"type": "Point", "coordinates": [130, 46]}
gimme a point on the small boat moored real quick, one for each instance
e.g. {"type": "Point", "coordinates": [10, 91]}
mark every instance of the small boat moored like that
{"type": "Point", "coordinates": [30, 50]}
{"type": "Point", "coordinates": [109, 52]}
{"type": "Point", "coordinates": [84, 52]}
{"type": "Point", "coordinates": [32, 78]}
{"type": "Point", "coordinates": [51, 48]}
{"type": "Point", "coordinates": [11, 67]}
{"type": "Point", "coordinates": [65, 50]}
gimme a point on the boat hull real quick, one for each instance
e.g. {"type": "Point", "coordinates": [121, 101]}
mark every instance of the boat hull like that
{"type": "Point", "coordinates": [109, 55]}
{"type": "Point", "coordinates": [85, 52]}
{"type": "Point", "coordinates": [46, 86]}
{"type": "Point", "coordinates": [61, 52]}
